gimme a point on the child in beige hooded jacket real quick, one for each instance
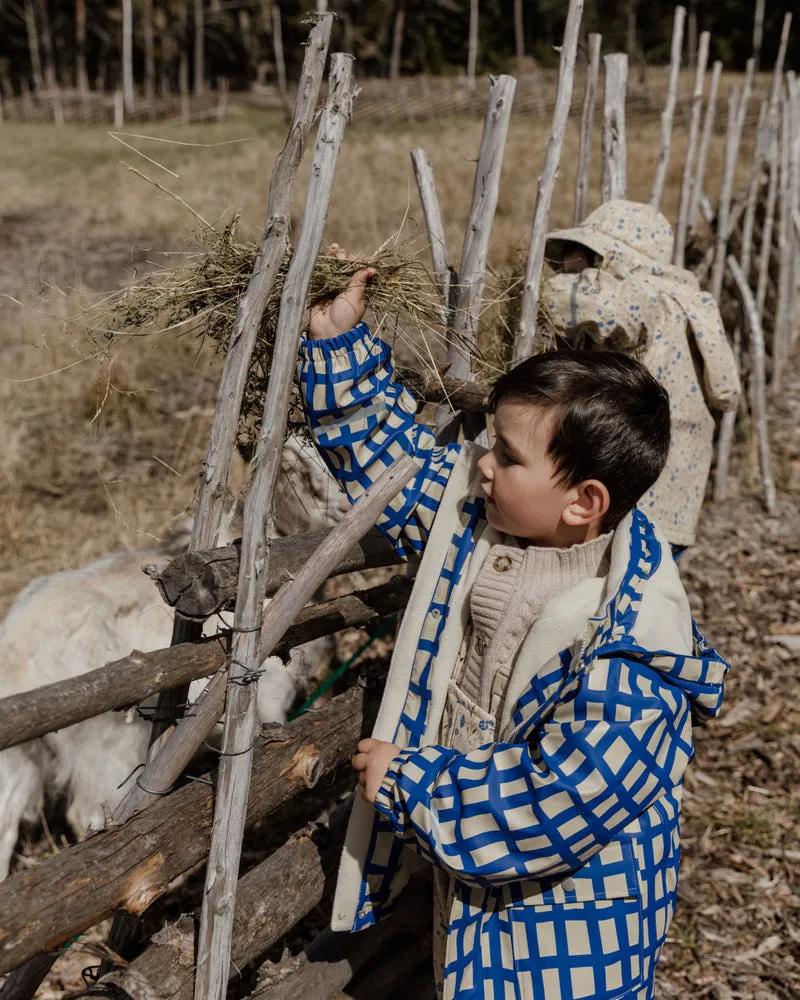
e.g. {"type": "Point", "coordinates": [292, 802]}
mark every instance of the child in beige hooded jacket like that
{"type": "Point", "coordinates": [625, 295]}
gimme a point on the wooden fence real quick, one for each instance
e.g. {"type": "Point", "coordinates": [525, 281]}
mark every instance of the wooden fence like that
{"type": "Point", "coordinates": [163, 830]}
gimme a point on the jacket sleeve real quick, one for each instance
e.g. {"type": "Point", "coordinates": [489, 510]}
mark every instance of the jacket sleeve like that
{"type": "Point", "coordinates": [613, 312]}
{"type": "Point", "coordinates": [721, 385]}
{"type": "Point", "coordinates": [534, 809]}
{"type": "Point", "coordinates": [362, 421]}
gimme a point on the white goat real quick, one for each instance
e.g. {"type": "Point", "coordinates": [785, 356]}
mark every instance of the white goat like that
{"type": "Point", "coordinates": [68, 623]}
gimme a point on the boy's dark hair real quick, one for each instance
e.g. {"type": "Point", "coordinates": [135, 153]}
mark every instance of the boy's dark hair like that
{"type": "Point", "coordinates": [611, 419]}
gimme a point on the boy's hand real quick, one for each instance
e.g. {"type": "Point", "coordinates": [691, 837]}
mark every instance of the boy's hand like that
{"type": "Point", "coordinates": [372, 762]}
{"type": "Point", "coordinates": [335, 316]}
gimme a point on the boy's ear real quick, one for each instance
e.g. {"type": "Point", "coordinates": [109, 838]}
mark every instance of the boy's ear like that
{"type": "Point", "coordinates": [590, 504]}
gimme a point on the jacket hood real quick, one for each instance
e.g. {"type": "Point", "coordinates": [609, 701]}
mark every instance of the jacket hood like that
{"type": "Point", "coordinates": [619, 229]}
{"type": "Point", "coordinates": [646, 617]}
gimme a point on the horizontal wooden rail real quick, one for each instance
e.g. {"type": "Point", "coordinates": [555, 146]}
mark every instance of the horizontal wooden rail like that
{"type": "Point", "coordinates": [130, 680]}
{"type": "Point", "coordinates": [128, 868]}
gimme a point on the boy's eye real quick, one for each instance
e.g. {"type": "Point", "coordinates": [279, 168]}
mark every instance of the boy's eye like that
{"type": "Point", "coordinates": [506, 459]}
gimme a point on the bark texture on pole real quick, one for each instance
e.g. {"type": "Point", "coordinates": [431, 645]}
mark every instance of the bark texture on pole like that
{"type": "Point", "coordinates": [758, 394]}
{"type": "Point", "coordinates": [526, 335]}
{"type": "Point", "coordinates": [669, 108]}
{"type": "Point", "coordinates": [782, 334]}
{"type": "Point", "coordinates": [214, 941]}
{"type": "Point", "coordinates": [691, 151]}
{"type": "Point", "coordinates": [212, 487]}
{"type": "Point", "coordinates": [131, 867]}
{"type": "Point", "coordinates": [479, 224]}
{"type": "Point", "coordinates": [708, 128]}
{"type": "Point", "coordinates": [587, 127]}
{"type": "Point", "coordinates": [615, 176]}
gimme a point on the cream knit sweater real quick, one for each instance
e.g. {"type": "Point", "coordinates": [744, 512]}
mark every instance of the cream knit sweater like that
{"type": "Point", "coordinates": [509, 592]}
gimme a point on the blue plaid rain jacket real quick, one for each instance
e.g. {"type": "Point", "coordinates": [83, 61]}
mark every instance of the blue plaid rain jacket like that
{"type": "Point", "coordinates": [563, 837]}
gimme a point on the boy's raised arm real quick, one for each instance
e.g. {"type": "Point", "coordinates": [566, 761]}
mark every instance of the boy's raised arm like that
{"type": "Point", "coordinates": [535, 809]}
{"type": "Point", "coordinates": [362, 420]}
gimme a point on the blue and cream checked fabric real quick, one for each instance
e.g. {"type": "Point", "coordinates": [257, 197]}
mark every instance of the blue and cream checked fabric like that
{"type": "Point", "coordinates": [563, 837]}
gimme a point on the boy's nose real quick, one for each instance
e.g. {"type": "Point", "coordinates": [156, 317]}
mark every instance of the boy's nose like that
{"type": "Point", "coordinates": [485, 466]}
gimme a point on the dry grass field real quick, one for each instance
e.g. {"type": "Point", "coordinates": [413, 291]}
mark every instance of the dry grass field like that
{"type": "Point", "coordinates": [103, 453]}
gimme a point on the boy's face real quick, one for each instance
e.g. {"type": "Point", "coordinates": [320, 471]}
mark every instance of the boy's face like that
{"type": "Point", "coordinates": [524, 497]}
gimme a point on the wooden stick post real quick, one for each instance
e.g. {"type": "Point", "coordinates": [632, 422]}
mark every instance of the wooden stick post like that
{"type": "Point", "coordinates": [758, 396]}
{"type": "Point", "coordinates": [615, 182]}
{"type": "Point", "coordinates": [728, 423]}
{"type": "Point", "coordinates": [723, 211]}
{"type": "Point", "coordinates": [247, 322]}
{"type": "Point", "coordinates": [708, 128]}
{"type": "Point", "coordinates": [691, 150]}
{"type": "Point", "coordinates": [587, 123]}
{"type": "Point", "coordinates": [526, 334]}
{"type": "Point", "coordinates": [423, 172]}
{"type": "Point", "coordinates": [669, 108]}
{"type": "Point", "coordinates": [479, 225]}
{"type": "Point", "coordinates": [782, 336]}
{"type": "Point", "coordinates": [214, 941]}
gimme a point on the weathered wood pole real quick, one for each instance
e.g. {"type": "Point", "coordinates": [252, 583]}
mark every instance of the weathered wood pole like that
{"type": "Point", "coordinates": [728, 423]}
{"type": "Point", "coordinates": [426, 185]}
{"type": "Point", "coordinates": [708, 128]}
{"type": "Point", "coordinates": [485, 191]}
{"type": "Point", "coordinates": [214, 941]}
{"type": "Point", "coordinates": [587, 127]}
{"type": "Point", "coordinates": [33, 46]}
{"type": "Point", "coordinates": [669, 108]}
{"type": "Point", "coordinates": [723, 210]}
{"type": "Point", "coordinates": [519, 36]}
{"type": "Point", "coordinates": [212, 486]}
{"type": "Point", "coordinates": [526, 334]}
{"type": "Point", "coordinates": [782, 334]}
{"type": "Point", "coordinates": [615, 181]}
{"type": "Point", "coordinates": [280, 61]}
{"type": "Point", "coordinates": [691, 150]}
{"type": "Point", "coordinates": [758, 395]}
{"type": "Point", "coordinates": [397, 40]}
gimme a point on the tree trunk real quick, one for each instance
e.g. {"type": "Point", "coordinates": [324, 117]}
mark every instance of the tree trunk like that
{"type": "Point", "coordinates": [50, 78]}
{"type": "Point", "coordinates": [519, 35]}
{"type": "Point", "coordinates": [149, 51]}
{"type": "Point", "coordinates": [199, 47]}
{"type": "Point", "coordinates": [758, 32]}
{"type": "Point", "coordinates": [127, 54]}
{"type": "Point", "coordinates": [397, 40]}
{"type": "Point", "coordinates": [81, 76]}
{"type": "Point", "coordinates": [33, 46]}
{"type": "Point", "coordinates": [630, 33]}
{"type": "Point", "coordinates": [691, 60]}
{"type": "Point", "coordinates": [130, 867]}
{"type": "Point", "coordinates": [472, 55]}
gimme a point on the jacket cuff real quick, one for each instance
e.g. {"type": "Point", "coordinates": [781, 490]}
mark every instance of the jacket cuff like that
{"type": "Point", "coordinates": [321, 349]}
{"type": "Point", "coordinates": [384, 797]}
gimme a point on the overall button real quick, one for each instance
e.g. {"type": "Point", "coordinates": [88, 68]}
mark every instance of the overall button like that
{"type": "Point", "coordinates": [502, 563]}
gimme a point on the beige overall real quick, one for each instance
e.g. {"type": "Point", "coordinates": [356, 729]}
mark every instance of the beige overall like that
{"type": "Point", "coordinates": [509, 592]}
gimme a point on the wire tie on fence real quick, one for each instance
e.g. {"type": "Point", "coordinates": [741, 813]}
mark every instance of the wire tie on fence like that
{"type": "Point", "coordinates": [129, 775]}
{"type": "Point", "coordinates": [152, 791]}
{"type": "Point", "coordinates": [222, 753]}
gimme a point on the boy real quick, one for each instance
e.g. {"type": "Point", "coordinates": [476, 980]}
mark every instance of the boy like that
{"type": "Point", "coordinates": [616, 287]}
{"type": "Point", "coordinates": [536, 720]}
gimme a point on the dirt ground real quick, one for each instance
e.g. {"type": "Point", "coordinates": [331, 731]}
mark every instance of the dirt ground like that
{"type": "Point", "coordinates": [78, 478]}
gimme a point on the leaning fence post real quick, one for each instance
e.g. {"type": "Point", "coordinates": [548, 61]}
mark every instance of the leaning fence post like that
{"type": "Point", "coordinates": [526, 334]}
{"type": "Point", "coordinates": [615, 183]}
{"type": "Point", "coordinates": [587, 124]}
{"type": "Point", "coordinates": [758, 396]}
{"type": "Point", "coordinates": [669, 108]}
{"type": "Point", "coordinates": [211, 489]}
{"type": "Point", "coordinates": [472, 270]}
{"type": "Point", "coordinates": [423, 172]}
{"type": "Point", "coordinates": [214, 944]}
{"type": "Point", "coordinates": [691, 150]}
{"type": "Point", "coordinates": [708, 128]}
